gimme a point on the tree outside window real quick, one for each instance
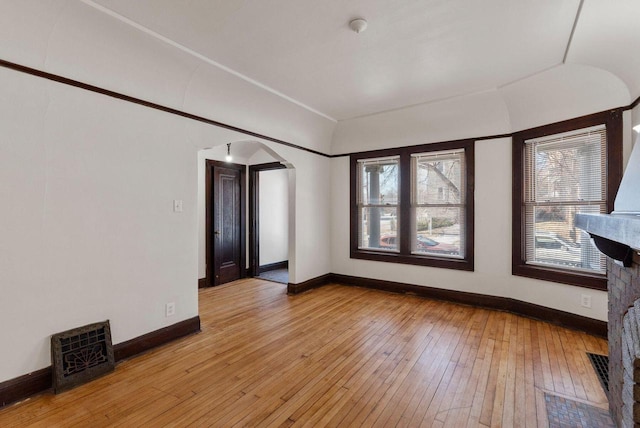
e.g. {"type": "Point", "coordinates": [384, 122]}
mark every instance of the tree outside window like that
{"type": "Point", "coordinates": [409, 205]}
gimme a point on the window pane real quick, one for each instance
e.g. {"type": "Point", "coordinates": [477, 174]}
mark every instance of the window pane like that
{"type": "Point", "coordinates": [379, 181]}
{"type": "Point", "coordinates": [438, 178]}
{"type": "Point", "coordinates": [439, 231]}
{"type": "Point", "coordinates": [384, 205]}
{"type": "Point", "coordinates": [564, 176]}
{"type": "Point", "coordinates": [554, 240]}
{"type": "Point", "coordinates": [568, 168]}
{"type": "Point", "coordinates": [378, 228]}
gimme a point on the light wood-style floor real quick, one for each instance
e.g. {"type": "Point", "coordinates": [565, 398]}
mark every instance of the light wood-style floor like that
{"type": "Point", "coordinates": [335, 356]}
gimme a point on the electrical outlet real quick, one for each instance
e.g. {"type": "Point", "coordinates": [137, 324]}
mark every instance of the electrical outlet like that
{"type": "Point", "coordinates": [177, 205]}
{"type": "Point", "coordinates": [170, 309]}
{"type": "Point", "coordinates": [585, 300]}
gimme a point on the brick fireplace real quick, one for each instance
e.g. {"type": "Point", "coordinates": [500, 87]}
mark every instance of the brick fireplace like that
{"type": "Point", "coordinates": [624, 291]}
{"type": "Point", "coordinates": [617, 235]}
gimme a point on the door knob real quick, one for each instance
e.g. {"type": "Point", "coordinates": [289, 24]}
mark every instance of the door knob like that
{"type": "Point", "coordinates": [216, 232]}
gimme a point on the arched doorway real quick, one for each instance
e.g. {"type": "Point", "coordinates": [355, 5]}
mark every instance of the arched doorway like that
{"type": "Point", "coordinates": [250, 156]}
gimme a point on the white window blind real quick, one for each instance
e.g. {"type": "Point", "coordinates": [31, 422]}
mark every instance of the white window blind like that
{"type": "Point", "coordinates": [564, 174]}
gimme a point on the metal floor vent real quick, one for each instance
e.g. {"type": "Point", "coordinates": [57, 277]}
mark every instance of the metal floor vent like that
{"type": "Point", "coordinates": [80, 355]}
{"type": "Point", "coordinates": [600, 364]}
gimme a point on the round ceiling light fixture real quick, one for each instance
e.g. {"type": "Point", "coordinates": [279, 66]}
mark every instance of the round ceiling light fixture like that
{"type": "Point", "coordinates": [358, 25]}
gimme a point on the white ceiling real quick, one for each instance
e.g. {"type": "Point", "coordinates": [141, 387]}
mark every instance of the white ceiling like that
{"type": "Point", "coordinates": [414, 51]}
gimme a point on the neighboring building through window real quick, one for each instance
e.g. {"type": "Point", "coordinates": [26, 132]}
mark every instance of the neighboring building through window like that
{"type": "Point", "coordinates": [409, 205]}
{"type": "Point", "coordinates": [438, 204]}
{"type": "Point", "coordinates": [561, 170]}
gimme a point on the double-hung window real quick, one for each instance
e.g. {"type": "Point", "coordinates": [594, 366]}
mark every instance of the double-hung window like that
{"type": "Point", "coordinates": [414, 205]}
{"type": "Point", "coordinates": [562, 170]}
{"type": "Point", "coordinates": [379, 192]}
{"type": "Point", "coordinates": [437, 203]}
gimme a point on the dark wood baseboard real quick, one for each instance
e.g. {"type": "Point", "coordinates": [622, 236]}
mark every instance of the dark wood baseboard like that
{"type": "Point", "coordinates": [40, 381]}
{"type": "Point", "coordinates": [25, 386]}
{"type": "Point", "coordinates": [202, 282]}
{"type": "Point", "coordinates": [274, 266]}
{"type": "Point", "coordinates": [518, 307]}
{"type": "Point", "coordinates": [148, 341]}
{"type": "Point", "coordinates": [308, 285]}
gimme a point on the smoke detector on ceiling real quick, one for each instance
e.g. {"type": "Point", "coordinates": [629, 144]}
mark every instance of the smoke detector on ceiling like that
{"type": "Point", "coordinates": [358, 25]}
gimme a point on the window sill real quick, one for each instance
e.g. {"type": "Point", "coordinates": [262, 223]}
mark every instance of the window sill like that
{"type": "Point", "coordinates": [418, 260]}
{"type": "Point", "coordinates": [562, 276]}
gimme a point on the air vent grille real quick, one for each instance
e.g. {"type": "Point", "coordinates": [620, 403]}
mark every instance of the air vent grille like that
{"type": "Point", "coordinates": [600, 364]}
{"type": "Point", "coordinates": [80, 355]}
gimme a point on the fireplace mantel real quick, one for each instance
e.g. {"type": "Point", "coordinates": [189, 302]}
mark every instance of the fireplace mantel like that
{"type": "Point", "coordinates": [622, 228]}
{"type": "Point", "coordinates": [615, 235]}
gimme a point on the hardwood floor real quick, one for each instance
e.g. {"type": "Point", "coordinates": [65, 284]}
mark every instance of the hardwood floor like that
{"type": "Point", "coordinates": [335, 356]}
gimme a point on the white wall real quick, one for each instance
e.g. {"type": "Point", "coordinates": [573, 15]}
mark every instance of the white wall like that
{"type": "Point", "coordinates": [560, 93]}
{"type": "Point", "coordinates": [73, 39]}
{"type": "Point", "coordinates": [309, 214]}
{"type": "Point", "coordinates": [274, 216]}
{"type": "Point", "coordinates": [570, 91]}
{"type": "Point", "coordinates": [87, 228]}
{"type": "Point", "coordinates": [476, 115]}
{"type": "Point", "coordinates": [492, 273]}
{"type": "Point", "coordinates": [87, 231]}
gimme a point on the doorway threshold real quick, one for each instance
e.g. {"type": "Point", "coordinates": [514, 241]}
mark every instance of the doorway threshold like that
{"type": "Point", "coordinates": [277, 275]}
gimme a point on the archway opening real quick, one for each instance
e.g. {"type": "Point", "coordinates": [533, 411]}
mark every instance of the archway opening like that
{"type": "Point", "coordinates": [269, 220]}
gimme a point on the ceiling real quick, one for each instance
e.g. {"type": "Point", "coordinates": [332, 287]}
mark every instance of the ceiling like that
{"type": "Point", "coordinates": [413, 52]}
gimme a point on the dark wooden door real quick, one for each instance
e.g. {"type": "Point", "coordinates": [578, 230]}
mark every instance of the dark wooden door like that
{"type": "Point", "coordinates": [225, 238]}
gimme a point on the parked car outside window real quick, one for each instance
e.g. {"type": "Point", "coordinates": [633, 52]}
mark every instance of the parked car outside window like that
{"type": "Point", "coordinates": [551, 248]}
{"type": "Point", "coordinates": [389, 242]}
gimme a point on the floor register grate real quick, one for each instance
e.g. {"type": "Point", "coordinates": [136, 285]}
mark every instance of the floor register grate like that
{"type": "Point", "coordinates": [81, 355]}
{"type": "Point", "coordinates": [600, 364]}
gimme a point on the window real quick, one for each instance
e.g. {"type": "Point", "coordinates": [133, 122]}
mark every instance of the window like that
{"type": "Point", "coordinates": [436, 212]}
{"type": "Point", "coordinates": [379, 189]}
{"type": "Point", "coordinates": [409, 205]}
{"type": "Point", "coordinates": [561, 170]}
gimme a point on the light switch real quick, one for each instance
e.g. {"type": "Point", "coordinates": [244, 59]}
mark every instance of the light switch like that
{"type": "Point", "coordinates": [177, 205]}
